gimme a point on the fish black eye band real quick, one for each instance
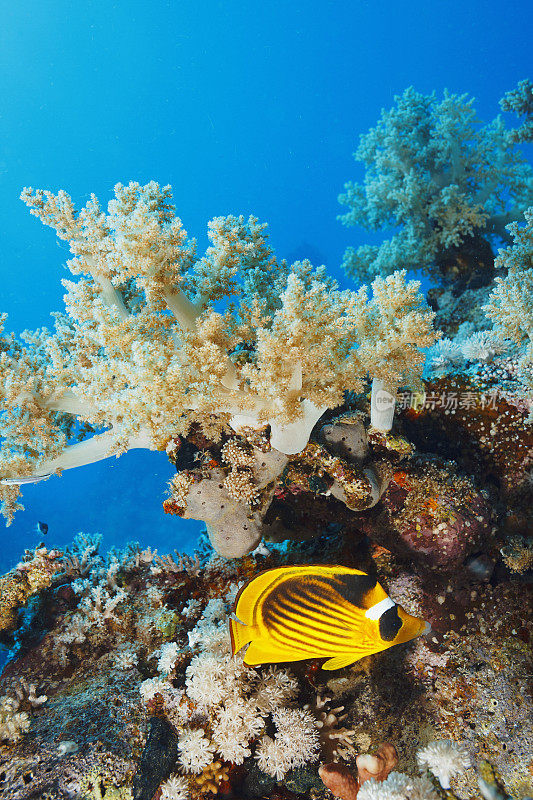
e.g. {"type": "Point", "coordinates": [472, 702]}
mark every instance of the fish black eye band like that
{"type": "Point", "coordinates": [390, 624]}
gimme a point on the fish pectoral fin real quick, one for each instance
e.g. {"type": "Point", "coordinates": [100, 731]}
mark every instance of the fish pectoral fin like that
{"type": "Point", "coordinates": [240, 634]}
{"type": "Point", "coordinates": [340, 661]}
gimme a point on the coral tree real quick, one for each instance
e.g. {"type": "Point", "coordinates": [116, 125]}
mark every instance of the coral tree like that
{"type": "Point", "coordinates": [142, 354]}
{"type": "Point", "coordinates": [448, 183]}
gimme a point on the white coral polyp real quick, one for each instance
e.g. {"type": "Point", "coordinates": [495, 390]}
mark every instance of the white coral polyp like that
{"type": "Point", "coordinates": [275, 688]}
{"type": "Point", "coordinates": [195, 750]}
{"type": "Point", "coordinates": [444, 759]}
{"type": "Point", "coordinates": [150, 687]}
{"type": "Point", "coordinates": [168, 657]}
{"type": "Point", "coordinates": [482, 346]}
{"type": "Point", "coordinates": [175, 788]}
{"type": "Point", "coordinates": [398, 787]}
{"type": "Point", "coordinates": [297, 743]}
{"type": "Point", "coordinates": [204, 680]}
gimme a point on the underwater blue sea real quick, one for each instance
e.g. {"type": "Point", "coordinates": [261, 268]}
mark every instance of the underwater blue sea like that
{"type": "Point", "coordinates": [244, 108]}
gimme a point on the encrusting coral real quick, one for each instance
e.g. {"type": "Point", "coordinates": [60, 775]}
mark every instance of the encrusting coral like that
{"type": "Point", "coordinates": [143, 354]}
{"type": "Point", "coordinates": [35, 573]}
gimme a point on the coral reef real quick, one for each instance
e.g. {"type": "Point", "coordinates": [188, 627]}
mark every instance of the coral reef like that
{"type": "Point", "coordinates": [112, 700]}
{"type": "Point", "coordinates": [306, 426]}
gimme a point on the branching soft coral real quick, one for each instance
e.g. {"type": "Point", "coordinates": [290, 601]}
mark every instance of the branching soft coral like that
{"type": "Point", "coordinates": [449, 184]}
{"type": "Point", "coordinates": [510, 305]}
{"type": "Point", "coordinates": [142, 353]}
{"type": "Point", "coordinates": [520, 101]}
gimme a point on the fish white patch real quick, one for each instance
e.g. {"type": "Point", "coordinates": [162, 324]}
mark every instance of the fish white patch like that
{"type": "Point", "coordinates": [375, 611]}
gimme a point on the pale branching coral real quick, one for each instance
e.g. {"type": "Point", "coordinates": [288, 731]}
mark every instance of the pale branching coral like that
{"type": "Point", "coordinates": [26, 694]}
{"type": "Point", "coordinates": [13, 723]}
{"type": "Point", "coordinates": [274, 689]}
{"type": "Point", "coordinates": [36, 572]}
{"type": "Point", "coordinates": [141, 354]}
{"type": "Point", "coordinates": [510, 305]}
{"type": "Point", "coordinates": [445, 356]}
{"type": "Point", "coordinates": [153, 686]}
{"type": "Point", "coordinates": [520, 101]}
{"type": "Point", "coordinates": [238, 722]}
{"type": "Point", "coordinates": [443, 759]}
{"type": "Point", "coordinates": [169, 655]}
{"type": "Point", "coordinates": [126, 659]}
{"type": "Point", "coordinates": [225, 708]}
{"type": "Point", "coordinates": [203, 681]}
{"type": "Point", "coordinates": [518, 554]}
{"type": "Point", "coordinates": [443, 179]}
{"type": "Point", "coordinates": [335, 740]}
{"type": "Point", "coordinates": [482, 346]}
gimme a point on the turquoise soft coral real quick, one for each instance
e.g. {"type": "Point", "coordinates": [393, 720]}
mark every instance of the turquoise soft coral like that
{"type": "Point", "coordinates": [448, 184]}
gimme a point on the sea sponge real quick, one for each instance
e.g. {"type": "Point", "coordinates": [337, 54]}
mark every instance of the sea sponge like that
{"type": "Point", "coordinates": [343, 784]}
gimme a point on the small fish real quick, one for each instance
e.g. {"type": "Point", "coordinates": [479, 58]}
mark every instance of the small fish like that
{"type": "Point", "coordinates": [297, 613]}
{"type": "Point", "coordinates": [42, 528]}
{"type": "Point", "coordinates": [21, 481]}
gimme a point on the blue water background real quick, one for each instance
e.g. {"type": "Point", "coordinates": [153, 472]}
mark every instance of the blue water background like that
{"type": "Point", "coordinates": [244, 107]}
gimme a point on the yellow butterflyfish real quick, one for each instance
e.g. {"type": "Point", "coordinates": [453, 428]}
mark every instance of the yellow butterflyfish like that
{"type": "Point", "coordinates": [304, 612]}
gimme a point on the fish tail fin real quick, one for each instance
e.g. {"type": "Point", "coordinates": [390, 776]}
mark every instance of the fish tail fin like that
{"type": "Point", "coordinates": [340, 661]}
{"type": "Point", "coordinates": [240, 633]}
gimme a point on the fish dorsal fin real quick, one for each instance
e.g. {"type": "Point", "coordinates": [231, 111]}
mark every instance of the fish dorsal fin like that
{"type": "Point", "coordinates": [340, 661]}
{"type": "Point", "coordinates": [251, 594]}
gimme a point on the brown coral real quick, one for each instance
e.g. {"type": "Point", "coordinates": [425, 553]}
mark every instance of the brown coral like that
{"type": "Point", "coordinates": [29, 578]}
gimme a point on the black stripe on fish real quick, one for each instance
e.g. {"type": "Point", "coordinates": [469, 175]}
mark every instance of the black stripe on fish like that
{"type": "Point", "coordinates": [352, 588]}
{"type": "Point", "coordinates": [303, 605]}
{"type": "Point", "coordinates": [389, 624]}
{"type": "Point", "coordinates": [326, 613]}
{"type": "Point", "coordinates": [301, 626]}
